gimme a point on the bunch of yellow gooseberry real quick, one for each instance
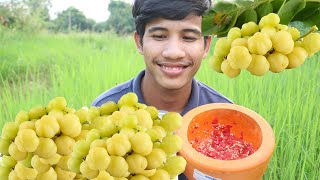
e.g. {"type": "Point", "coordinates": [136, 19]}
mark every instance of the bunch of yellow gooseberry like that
{"type": "Point", "coordinates": [261, 47]}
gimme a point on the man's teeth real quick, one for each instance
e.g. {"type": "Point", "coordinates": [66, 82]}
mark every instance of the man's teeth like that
{"type": "Point", "coordinates": [172, 68]}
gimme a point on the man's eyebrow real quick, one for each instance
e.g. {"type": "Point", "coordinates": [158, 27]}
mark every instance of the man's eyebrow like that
{"type": "Point", "coordinates": [195, 31]}
{"type": "Point", "coordinates": [156, 28]}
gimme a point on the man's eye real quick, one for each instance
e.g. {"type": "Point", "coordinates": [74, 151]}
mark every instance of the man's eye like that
{"type": "Point", "coordinates": [158, 37]}
{"type": "Point", "coordinates": [189, 38]}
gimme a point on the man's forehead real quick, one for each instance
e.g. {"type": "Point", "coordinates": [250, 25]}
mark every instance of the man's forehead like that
{"type": "Point", "coordinates": [161, 24]}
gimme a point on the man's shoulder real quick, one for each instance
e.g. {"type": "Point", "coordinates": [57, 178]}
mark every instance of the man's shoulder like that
{"type": "Point", "coordinates": [113, 94]}
{"type": "Point", "coordinates": [209, 95]}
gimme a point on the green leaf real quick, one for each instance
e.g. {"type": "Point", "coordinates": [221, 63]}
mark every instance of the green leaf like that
{"type": "Point", "coordinates": [276, 4]}
{"type": "Point", "coordinates": [241, 3]}
{"type": "Point", "coordinates": [223, 7]}
{"type": "Point", "coordinates": [247, 16]}
{"type": "Point", "coordinates": [313, 20]}
{"type": "Point", "coordinates": [232, 19]}
{"type": "Point", "coordinates": [263, 9]}
{"type": "Point", "coordinates": [218, 23]}
{"type": "Point", "coordinates": [219, 18]}
{"type": "Point", "coordinates": [290, 9]}
{"type": "Point", "coordinates": [207, 26]}
{"type": "Point", "coordinates": [311, 7]}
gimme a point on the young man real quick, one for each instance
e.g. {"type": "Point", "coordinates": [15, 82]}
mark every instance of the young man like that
{"type": "Point", "coordinates": [168, 35]}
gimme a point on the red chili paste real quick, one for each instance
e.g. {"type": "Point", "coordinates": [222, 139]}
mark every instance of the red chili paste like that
{"type": "Point", "coordinates": [221, 144]}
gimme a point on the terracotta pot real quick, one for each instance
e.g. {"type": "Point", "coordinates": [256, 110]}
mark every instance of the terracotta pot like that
{"type": "Point", "coordinates": [246, 123]}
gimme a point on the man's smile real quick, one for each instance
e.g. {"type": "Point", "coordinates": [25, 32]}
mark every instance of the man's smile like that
{"type": "Point", "coordinates": [173, 69]}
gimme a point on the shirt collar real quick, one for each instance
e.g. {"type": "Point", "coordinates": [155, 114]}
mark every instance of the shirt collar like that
{"type": "Point", "coordinates": [137, 86]}
{"type": "Point", "coordinates": [193, 99]}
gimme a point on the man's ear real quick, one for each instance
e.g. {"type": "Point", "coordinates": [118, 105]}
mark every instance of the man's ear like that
{"type": "Point", "coordinates": [137, 39]}
{"type": "Point", "coordinates": [207, 46]}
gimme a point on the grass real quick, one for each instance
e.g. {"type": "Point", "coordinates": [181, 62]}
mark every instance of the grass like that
{"type": "Point", "coordinates": [37, 68]}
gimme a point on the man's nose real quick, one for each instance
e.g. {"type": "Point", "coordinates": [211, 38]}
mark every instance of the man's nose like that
{"type": "Point", "coordinates": [174, 49]}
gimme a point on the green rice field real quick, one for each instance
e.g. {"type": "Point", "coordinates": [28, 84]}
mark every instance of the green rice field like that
{"type": "Point", "coordinates": [35, 68]}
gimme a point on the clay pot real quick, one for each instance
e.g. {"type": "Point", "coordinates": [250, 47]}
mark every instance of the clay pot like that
{"type": "Point", "coordinates": [246, 123]}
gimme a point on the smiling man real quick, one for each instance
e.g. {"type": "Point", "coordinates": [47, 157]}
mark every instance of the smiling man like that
{"type": "Point", "coordinates": [168, 35]}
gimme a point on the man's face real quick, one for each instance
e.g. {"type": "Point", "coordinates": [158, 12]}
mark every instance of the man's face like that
{"type": "Point", "coordinates": [173, 51]}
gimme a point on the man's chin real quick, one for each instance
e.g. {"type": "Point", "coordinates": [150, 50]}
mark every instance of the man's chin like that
{"type": "Point", "coordinates": [172, 86]}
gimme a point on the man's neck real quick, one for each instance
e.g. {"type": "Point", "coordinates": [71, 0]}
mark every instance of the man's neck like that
{"type": "Point", "coordinates": [165, 99]}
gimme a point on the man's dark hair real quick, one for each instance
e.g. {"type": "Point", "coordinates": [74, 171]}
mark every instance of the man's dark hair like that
{"type": "Point", "coordinates": [144, 11]}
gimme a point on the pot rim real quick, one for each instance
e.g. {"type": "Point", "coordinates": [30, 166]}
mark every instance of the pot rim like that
{"type": "Point", "coordinates": [197, 159]}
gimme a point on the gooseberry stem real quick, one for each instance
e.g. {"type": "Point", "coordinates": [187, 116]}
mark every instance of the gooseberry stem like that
{"type": "Point", "coordinates": [312, 29]}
